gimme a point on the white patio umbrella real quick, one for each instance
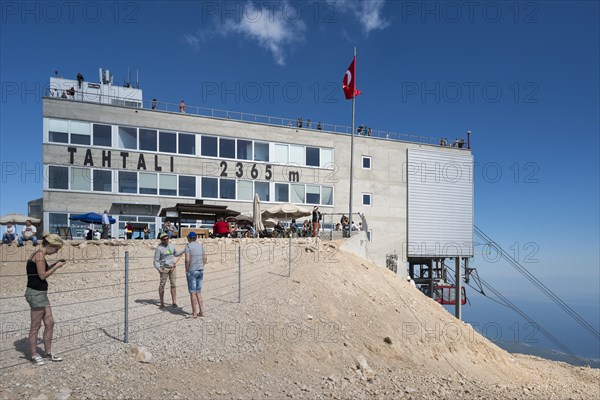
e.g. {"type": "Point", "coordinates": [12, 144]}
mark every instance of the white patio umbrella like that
{"type": "Point", "coordinates": [17, 219]}
{"type": "Point", "coordinates": [245, 216]}
{"type": "Point", "coordinates": [257, 215]}
{"type": "Point", "coordinates": [286, 211]}
{"type": "Point", "coordinates": [271, 222]}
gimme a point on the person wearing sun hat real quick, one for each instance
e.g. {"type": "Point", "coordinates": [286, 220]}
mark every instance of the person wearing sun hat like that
{"type": "Point", "coordinates": [195, 260]}
{"type": "Point", "coordinates": [164, 262]}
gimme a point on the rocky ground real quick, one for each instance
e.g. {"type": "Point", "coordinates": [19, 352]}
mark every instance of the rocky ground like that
{"type": "Point", "coordinates": [337, 327]}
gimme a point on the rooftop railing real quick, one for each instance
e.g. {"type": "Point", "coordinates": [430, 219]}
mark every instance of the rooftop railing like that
{"type": "Point", "coordinates": [291, 123]}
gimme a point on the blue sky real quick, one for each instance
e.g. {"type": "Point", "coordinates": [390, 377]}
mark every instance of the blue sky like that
{"type": "Point", "coordinates": [522, 76]}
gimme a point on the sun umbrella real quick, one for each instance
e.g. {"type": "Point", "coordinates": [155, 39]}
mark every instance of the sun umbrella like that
{"type": "Point", "coordinates": [243, 217]}
{"type": "Point", "coordinates": [17, 219]}
{"type": "Point", "coordinates": [91, 218]}
{"type": "Point", "coordinates": [256, 214]}
{"type": "Point", "coordinates": [271, 222]}
{"type": "Point", "coordinates": [286, 211]}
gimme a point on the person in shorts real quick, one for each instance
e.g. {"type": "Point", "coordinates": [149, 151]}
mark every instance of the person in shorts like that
{"type": "Point", "coordinates": [195, 260]}
{"type": "Point", "coordinates": [36, 295]}
{"type": "Point", "coordinates": [164, 262]}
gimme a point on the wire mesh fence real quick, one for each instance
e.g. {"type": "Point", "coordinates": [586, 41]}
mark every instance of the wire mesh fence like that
{"type": "Point", "coordinates": [109, 291]}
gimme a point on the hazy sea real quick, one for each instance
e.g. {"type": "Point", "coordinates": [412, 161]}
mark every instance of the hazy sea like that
{"type": "Point", "coordinates": [510, 331]}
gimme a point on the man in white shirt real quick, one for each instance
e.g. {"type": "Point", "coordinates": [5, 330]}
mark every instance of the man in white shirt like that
{"type": "Point", "coordinates": [28, 233]}
{"type": "Point", "coordinates": [10, 235]}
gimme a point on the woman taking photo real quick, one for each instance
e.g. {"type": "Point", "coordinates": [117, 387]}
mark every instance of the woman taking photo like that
{"type": "Point", "coordinates": [36, 295]}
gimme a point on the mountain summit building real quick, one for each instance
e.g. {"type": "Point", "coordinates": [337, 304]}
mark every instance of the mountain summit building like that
{"type": "Point", "coordinates": [106, 147]}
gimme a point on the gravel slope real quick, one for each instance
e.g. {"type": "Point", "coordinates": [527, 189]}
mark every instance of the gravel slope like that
{"type": "Point", "coordinates": [338, 327]}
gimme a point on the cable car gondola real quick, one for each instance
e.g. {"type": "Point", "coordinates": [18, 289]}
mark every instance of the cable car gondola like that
{"type": "Point", "coordinates": [446, 294]}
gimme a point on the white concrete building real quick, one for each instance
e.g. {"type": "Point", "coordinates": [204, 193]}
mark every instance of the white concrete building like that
{"type": "Point", "coordinates": [107, 148]}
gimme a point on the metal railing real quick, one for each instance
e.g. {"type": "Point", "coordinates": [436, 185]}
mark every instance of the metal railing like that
{"type": "Point", "coordinates": [291, 123]}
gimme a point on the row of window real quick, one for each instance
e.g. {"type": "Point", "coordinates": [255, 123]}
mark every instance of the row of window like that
{"type": "Point", "coordinates": [141, 139]}
{"type": "Point", "coordinates": [148, 183]}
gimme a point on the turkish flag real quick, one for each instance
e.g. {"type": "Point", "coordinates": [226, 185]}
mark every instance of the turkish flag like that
{"type": "Point", "coordinates": [349, 82]}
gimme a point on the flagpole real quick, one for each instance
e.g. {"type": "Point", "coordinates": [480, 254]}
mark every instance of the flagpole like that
{"type": "Point", "coordinates": [352, 149]}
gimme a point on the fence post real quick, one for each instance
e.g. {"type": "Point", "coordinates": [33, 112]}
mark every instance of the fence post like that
{"type": "Point", "coordinates": [126, 327]}
{"type": "Point", "coordinates": [290, 257]}
{"type": "Point", "coordinates": [239, 273]}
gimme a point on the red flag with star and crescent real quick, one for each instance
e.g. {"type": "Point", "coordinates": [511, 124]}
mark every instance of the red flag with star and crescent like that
{"type": "Point", "coordinates": [349, 82]}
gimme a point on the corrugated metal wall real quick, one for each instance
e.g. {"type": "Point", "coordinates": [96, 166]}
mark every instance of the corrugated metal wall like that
{"type": "Point", "coordinates": [440, 203]}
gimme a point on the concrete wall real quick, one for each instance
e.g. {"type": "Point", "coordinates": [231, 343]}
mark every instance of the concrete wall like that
{"type": "Point", "coordinates": [386, 180]}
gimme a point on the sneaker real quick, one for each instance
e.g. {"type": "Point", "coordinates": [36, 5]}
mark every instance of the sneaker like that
{"type": "Point", "coordinates": [53, 357]}
{"type": "Point", "coordinates": [37, 360]}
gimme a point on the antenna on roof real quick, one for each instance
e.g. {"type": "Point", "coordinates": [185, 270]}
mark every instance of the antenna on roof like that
{"type": "Point", "coordinates": [137, 78]}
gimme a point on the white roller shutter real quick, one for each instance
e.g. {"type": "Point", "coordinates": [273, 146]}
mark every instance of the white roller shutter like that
{"type": "Point", "coordinates": [440, 203]}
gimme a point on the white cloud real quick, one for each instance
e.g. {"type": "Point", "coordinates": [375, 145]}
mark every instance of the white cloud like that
{"type": "Point", "coordinates": [370, 16]}
{"type": "Point", "coordinates": [276, 29]}
{"type": "Point", "coordinates": [367, 12]}
{"type": "Point", "coordinates": [192, 41]}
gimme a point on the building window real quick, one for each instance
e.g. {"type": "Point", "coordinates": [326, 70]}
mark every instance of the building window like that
{"type": "Point", "coordinates": [102, 181]}
{"type": "Point", "coordinates": [297, 193]}
{"type": "Point", "coordinates": [81, 132]}
{"type": "Point", "coordinates": [128, 138]}
{"type": "Point", "coordinates": [327, 196]}
{"type": "Point", "coordinates": [282, 192]}
{"type": "Point", "coordinates": [313, 194]}
{"type": "Point", "coordinates": [148, 184]}
{"type": "Point", "coordinates": [210, 187]}
{"type": "Point", "coordinates": [127, 182]}
{"type": "Point", "coordinates": [244, 149]}
{"type": "Point", "coordinates": [326, 158]}
{"type": "Point", "coordinates": [58, 178]}
{"type": "Point", "coordinates": [58, 131]}
{"type": "Point", "coordinates": [227, 189]}
{"type": "Point", "coordinates": [167, 142]}
{"type": "Point", "coordinates": [226, 148]}
{"type": "Point", "coordinates": [167, 185]}
{"type": "Point", "coordinates": [187, 186]}
{"type": "Point", "coordinates": [208, 146]}
{"type": "Point", "coordinates": [80, 179]}
{"type": "Point", "coordinates": [280, 153]}
{"type": "Point", "coordinates": [262, 189]}
{"type": "Point", "coordinates": [102, 135]}
{"type": "Point", "coordinates": [261, 151]}
{"type": "Point", "coordinates": [148, 138]}
{"type": "Point", "coordinates": [312, 157]}
{"type": "Point", "coordinates": [366, 199]}
{"type": "Point", "coordinates": [187, 143]}
{"type": "Point", "coordinates": [366, 162]}
{"type": "Point", "coordinates": [57, 220]}
{"type": "Point", "coordinates": [297, 155]}
{"type": "Point", "coordinates": [245, 190]}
